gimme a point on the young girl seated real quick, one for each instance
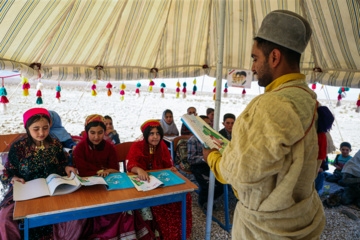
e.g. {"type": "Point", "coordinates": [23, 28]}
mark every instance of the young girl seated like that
{"type": "Point", "coordinates": [151, 153]}
{"type": "Point", "coordinates": [168, 124]}
{"type": "Point", "coordinates": [36, 156]}
{"type": "Point", "coordinates": [110, 131]}
{"type": "Point", "coordinates": [96, 156]}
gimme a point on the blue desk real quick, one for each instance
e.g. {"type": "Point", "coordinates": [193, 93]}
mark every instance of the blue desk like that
{"type": "Point", "coordinates": [95, 201]}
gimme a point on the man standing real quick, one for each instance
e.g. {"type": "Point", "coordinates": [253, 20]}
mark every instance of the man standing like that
{"type": "Point", "coordinates": [271, 161]}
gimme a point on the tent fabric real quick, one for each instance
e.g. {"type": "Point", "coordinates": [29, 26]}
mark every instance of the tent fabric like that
{"type": "Point", "coordinates": [167, 38]}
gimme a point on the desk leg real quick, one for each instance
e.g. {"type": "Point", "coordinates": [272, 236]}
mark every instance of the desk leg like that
{"type": "Point", "coordinates": [173, 155]}
{"type": "Point", "coordinates": [26, 229]}
{"type": "Point", "coordinates": [183, 217]}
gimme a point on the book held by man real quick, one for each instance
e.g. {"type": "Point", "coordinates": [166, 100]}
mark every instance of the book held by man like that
{"type": "Point", "coordinates": [206, 134]}
{"type": "Point", "coordinates": [55, 184]}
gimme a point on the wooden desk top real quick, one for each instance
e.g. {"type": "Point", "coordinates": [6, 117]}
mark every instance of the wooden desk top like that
{"type": "Point", "coordinates": [92, 196]}
{"type": "Point", "coordinates": [6, 140]}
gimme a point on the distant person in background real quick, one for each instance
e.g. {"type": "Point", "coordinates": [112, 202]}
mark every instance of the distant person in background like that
{"type": "Point", "coordinates": [59, 132]}
{"type": "Point", "coordinates": [228, 123]}
{"type": "Point", "coordinates": [184, 129]}
{"type": "Point", "coordinates": [339, 162]}
{"type": "Point", "coordinates": [168, 124]}
{"type": "Point", "coordinates": [351, 177]}
{"type": "Point", "coordinates": [201, 170]}
{"type": "Point", "coordinates": [36, 156]}
{"type": "Point", "coordinates": [110, 131]}
{"type": "Point", "coordinates": [210, 115]}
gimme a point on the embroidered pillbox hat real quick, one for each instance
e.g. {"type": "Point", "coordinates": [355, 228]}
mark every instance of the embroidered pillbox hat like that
{"type": "Point", "coordinates": [33, 111]}
{"type": "Point", "coordinates": [152, 123]}
{"type": "Point", "coordinates": [286, 29]}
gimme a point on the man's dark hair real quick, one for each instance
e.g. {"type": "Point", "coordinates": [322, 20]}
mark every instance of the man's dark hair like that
{"type": "Point", "coordinates": [30, 121]}
{"type": "Point", "coordinates": [94, 124]}
{"type": "Point", "coordinates": [209, 110]}
{"type": "Point", "coordinates": [243, 73]}
{"type": "Point", "coordinates": [229, 115]}
{"type": "Point", "coordinates": [147, 131]}
{"type": "Point", "coordinates": [108, 117]}
{"type": "Point", "coordinates": [203, 117]}
{"type": "Point", "coordinates": [292, 57]}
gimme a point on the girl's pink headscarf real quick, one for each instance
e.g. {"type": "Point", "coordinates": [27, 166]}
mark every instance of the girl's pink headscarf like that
{"type": "Point", "coordinates": [33, 111]}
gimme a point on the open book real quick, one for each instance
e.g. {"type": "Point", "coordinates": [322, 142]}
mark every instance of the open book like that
{"type": "Point", "coordinates": [55, 184]}
{"type": "Point", "coordinates": [163, 178]}
{"type": "Point", "coordinates": [206, 134]}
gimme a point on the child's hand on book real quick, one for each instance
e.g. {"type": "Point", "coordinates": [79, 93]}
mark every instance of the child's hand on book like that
{"type": "Point", "coordinates": [143, 175]}
{"type": "Point", "coordinates": [173, 169]}
{"type": "Point", "coordinates": [69, 169]}
{"type": "Point", "coordinates": [15, 178]}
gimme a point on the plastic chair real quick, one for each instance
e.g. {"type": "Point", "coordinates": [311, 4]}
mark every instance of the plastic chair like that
{"type": "Point", "coordinates": [122, 150]}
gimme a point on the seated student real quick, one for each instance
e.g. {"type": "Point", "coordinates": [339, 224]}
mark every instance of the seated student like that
{"type": "Point", "coordinates": [36, 156]}
{"type": "Point", "coordinates": [59, 132]}
{"type": "Point", "coordinates": [210, 115]}
{"type": "Point", "coordinates": [201, 169]}
{"type": "Point", "coordinates": [319, 180]}
{"type": "Point", "coordinates": [184, 129]}
{"type": "Point", "coordinates": [110, 131]}
{"type": "Point", "coordinates": [351, 177]}
{"type": "Point", "coordinates": [168, 124]}
{"type": "Point", "coordinates": [339, 162]}
{"type": "Point", "coordinates": [229, 120]}
{"type": "Point", "coordinates": [96, 156]}
{"type": "Point", "coordinates": [151, 153]}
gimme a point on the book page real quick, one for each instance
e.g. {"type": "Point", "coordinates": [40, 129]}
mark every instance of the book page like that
{"type": "Point", "coordinates": [59, 185]}
{"type": "Point", "coordinates": [141, 185]}
{"type": "Point", "coordinates": [31, 189]}
{"type": "Point", "coordinates": [206, 134]}
{"type": "Point", "coordinates": [89, 181]}
{"type": "Point", "coordinates": [118, 181]}
{"type": "Point", "coordinates": [167, 177]}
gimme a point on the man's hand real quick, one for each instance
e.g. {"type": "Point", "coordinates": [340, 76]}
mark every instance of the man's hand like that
{"type": "Point", "coordinates": [206, 153]}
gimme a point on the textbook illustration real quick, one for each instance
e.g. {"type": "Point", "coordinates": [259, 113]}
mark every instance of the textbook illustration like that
{"type": "Point", "coordinates": [53, 185]}
{"type": "Point", "coordinates": [163, 178]}
{"type": "Point", "coordinates": [206, 134]}
{"type": "Point", "coordinates": [141, 185]}
{"type": "Point", "coordinates": [118, 181]}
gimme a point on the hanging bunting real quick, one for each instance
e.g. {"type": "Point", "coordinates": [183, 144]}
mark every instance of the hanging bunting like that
{"type": "Point", "coordinates": [226, 90]}
{"type": "Point", "coordinates": [138, 85]}
{"type": "Point", "coordinates": [58, 90]}
{"type": "Point", "coordinates": [358, 105]}
{"type": "Point", "coordinates": [39, 87]}
{"type": "Point", "coordinates": [162, 89]}
{"type": "Point", "coordinates": [3, 94]}
{"type": "Point", "coordinates": [184, 89]}
{"type": "Point", "coordinates": [109, 87]}
{"type": "Point", "coordinates": [313, 87]}
{"type": "Point", "coordinates": [93, 88]}
{"type": "Point", "coordinates": [178, 89]}
{"type": "Point", "coordinates": [214, 91]}
{"type": "Point", "coordinates": [151, 84]}
{"type": "Point", "coordinates": [26, 86]}
{"type": "Point", "coordinates": [243, 93]}
{"type": "Point", "coordinates": [122, 91]}
{"type": "Point", "coordinates": [194, 87]}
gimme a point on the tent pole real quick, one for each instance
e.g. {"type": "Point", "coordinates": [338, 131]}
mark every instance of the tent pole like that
{"type": "Point", "coordinates": [219, 76]}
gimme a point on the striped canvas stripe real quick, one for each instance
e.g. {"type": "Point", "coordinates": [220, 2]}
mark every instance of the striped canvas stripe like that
{"type": "Point", "coordinates": [177, 37]}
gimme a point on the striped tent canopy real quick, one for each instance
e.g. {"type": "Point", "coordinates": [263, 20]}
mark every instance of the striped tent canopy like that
{"type": "Point", "coordinates": [140, 39]}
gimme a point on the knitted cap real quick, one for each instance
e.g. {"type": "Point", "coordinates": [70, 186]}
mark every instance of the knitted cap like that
{"type": "Point", "coordinates": [33, 111]}
{"type": "Point", "coordinates": [286, 29]}
{"type": "Point", "coordinates": [152, 123]}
